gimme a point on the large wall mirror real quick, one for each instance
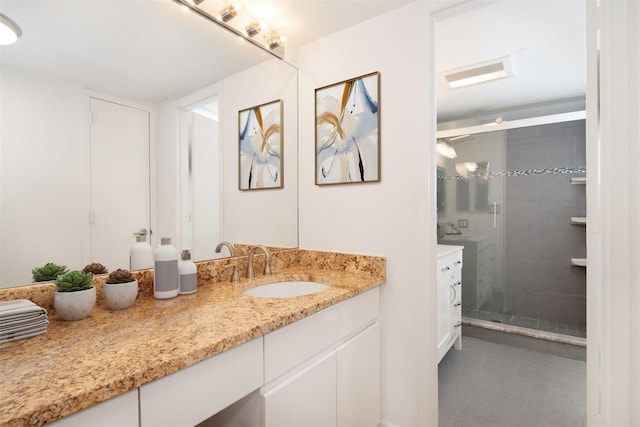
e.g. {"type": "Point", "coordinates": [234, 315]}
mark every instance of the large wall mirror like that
{"type": "Point", "coordinates": [121, 72]}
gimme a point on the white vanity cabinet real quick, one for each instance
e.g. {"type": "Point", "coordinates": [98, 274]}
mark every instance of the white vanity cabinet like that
{"type": "Point", "coordinates": [119, 411]}
{"type": "Point", "coordinates": [324, 370]}
{"type": "Point", "coordinates": [449, 284]}
{"type": "Point", "coordinates": [193, 394]}
{"type": "Point", "coordinates": [305, 398]}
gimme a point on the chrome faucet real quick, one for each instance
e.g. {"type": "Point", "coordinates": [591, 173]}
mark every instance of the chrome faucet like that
{"type": "Point", "coordinates": [267, 258]}
{"type": "Point", "coordinates": [229, 246]}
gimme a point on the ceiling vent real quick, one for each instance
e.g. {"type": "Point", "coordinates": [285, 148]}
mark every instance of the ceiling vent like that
{"type": "Point", "coordinates": [477, 73]}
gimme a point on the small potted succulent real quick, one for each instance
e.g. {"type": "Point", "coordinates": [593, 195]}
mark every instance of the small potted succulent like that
{"type": "Point", "coordinates": [75, 295]}
{"type": "Point", "coordinates": [48, 272]}
{"type": "Point", "coordinates": [95, 268]}
{"type": "Point", "coordinates": [120, 290]}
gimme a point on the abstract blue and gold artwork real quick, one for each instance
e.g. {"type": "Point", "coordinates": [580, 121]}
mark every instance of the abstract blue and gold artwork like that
{"type": "Point", "coordinates": [348, 131]}
{"type": "Point", "coordinates": [261, 152]}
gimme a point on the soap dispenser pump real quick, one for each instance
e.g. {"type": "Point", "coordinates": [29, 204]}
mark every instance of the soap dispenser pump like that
{"type": "Point", "coordinates": [140, 254]}
{"type": "Point", "coordinates": [188, 273]}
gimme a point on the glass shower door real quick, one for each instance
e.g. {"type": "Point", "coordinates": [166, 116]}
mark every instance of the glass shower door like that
{"type": "Point", "coordinates": [472, 217]}
{"type": "Point", "coordinates": [509, 199]}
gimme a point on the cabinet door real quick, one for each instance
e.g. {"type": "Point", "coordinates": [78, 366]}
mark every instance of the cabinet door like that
{"type": "Point", "coordinates": [120, 411]}
{"type": "Point", "coordinates": [306, 398]}
{"type": "Point", "coordinates": [445, 297]}
{"type": "Point", "coordinates": [358, 379]}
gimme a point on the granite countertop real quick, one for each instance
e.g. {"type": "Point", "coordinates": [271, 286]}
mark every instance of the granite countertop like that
{"type": "Point", "coordinates": [79, 364]}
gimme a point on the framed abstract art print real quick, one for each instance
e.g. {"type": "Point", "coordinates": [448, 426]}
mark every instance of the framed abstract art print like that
{"type": "Point", "coordinates": [260, 148]}
{"type": "Point", "coordinates": [347, 136]}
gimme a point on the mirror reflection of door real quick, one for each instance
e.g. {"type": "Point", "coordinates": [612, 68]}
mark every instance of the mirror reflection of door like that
{"type": "Point", "coordinates": [120, 186]}
{"type": "Point", "coordinates": [201, 180]}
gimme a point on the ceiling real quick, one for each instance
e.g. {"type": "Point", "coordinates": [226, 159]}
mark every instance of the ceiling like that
{"type": "Point", "coordinates": [546, 40]}
{"type": "Point", "coordinates": [101, 43]}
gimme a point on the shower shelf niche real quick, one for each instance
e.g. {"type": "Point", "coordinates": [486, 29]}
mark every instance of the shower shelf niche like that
{"type": "Point", "coordinates": [579, 220]}
{"type": "Point", "coordinates": [580, 262]}
{"type": "Point", "coordinates": [579, 181]}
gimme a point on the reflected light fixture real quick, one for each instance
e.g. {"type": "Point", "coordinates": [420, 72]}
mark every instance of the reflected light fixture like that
{"type": "Point", "coordinates": [9, 30]}
{"type": "Point", "coordinates": [478, 73]}
{"type": "Point", "coordinates": [228, 13]}
{"type": "Point", "coordinates": [446, 150]}
{"type": "Point", "coordinates": [253, 29]}
{"type": "Point", "coordinates": [276, 41]}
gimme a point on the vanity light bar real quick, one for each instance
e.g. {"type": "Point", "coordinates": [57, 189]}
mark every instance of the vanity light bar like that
{"type": "Point", "coordinates": [272, 45]}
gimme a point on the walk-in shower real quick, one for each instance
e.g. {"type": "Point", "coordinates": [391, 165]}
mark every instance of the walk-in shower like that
{"type": "Point", "coordinates": [515, 199]}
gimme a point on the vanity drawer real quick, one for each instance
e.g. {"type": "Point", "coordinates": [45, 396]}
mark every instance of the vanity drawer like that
{"type": "Point", "coordinates": [193, 394]}
{"type": "Point", "coordinates": [288, 347]}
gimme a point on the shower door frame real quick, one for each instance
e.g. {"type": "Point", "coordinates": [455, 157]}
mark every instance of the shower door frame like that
{"type": "Point", "coordinates": [503, 125]}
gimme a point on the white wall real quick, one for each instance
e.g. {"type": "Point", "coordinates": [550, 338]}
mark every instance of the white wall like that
{"type": "Point", "coordinates": [393, 218]}
{"type": "Point", "coordinates": [41, 174]}
{"type": "Point", "coordinates": [613, 275]}
{"type": "Point", "coordinates": [390, 218]}
{"type": "Point", "coordinates": [261, 216]}
{"type": "Point", "coordinates": [264, 216]}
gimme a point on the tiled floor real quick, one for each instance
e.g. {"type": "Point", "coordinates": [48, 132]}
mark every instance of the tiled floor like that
{"type": "Point", "coordinates": [488, 384]}
{"type": "Point", "coordinates": [528, 322]}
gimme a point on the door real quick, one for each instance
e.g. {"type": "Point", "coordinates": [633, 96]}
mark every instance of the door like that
{"type": "Point", "coordinates": [307, 398]}
{"type": "Point", "coordinates": [358, 379]}
{"type": "Point", "coordinates": [120, 193]}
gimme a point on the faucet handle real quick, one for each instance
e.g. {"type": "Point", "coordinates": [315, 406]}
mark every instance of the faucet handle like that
{"type": "Point", "coordinates": [235, 276]}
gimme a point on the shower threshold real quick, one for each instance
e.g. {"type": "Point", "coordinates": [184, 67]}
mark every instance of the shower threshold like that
{"type": "Point", "coordinates": [567, 336]}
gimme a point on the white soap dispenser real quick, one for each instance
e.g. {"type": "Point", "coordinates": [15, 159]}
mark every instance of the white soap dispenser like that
{"type": "Point", "coordinates": [188, 273]}
{"type": "Point", "coordinates": [140, 254]}
{"type": "Point", "coordinates": [165, 274]}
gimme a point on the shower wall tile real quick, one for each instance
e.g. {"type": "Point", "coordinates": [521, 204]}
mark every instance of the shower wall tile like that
{"type": "Point", "coordinates": [557, 189]}
{"type": "Point", "coordinates": [522, 189]}
{"type": "Point", "coordinates": [563, 308]}
{"type": "Point", "coordinates": [564, 142]}
{"type": "Point", "coordinates": [521, 301]}
{"type": "Point", "coordinates": [540, 240]}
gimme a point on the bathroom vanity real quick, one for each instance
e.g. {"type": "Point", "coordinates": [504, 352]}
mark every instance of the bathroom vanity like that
{"type": "Point", "coordinates": [180, 361]}
{"type": "Point", "coordinates": [449, 266]}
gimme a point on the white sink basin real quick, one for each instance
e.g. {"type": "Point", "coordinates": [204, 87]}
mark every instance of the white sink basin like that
{"type": "Point", "coordinates": [286, 289]}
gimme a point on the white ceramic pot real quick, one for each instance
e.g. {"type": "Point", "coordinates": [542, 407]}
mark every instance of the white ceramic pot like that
{"type": "Point", "coordinates": [119, 296]}
{"type": "Point", "coordinates": [75, 305]}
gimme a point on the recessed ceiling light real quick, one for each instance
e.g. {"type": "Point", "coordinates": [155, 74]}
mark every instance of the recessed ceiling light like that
{"type": "Point", "coordinates": [477, 73]}
{"type": "Point", "coordinates": [9, 30]}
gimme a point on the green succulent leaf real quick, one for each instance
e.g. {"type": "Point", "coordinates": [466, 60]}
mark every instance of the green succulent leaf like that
{"type": "Point", "coordinates": [74, 281]}
{"type": "Point", "coordinates": [48, 272]}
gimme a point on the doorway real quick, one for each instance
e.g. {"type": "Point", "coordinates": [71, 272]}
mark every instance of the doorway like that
{"type": "Point", "coordinates": [201, 179]}
{"type": "Point", "coordinates": [119, 183]}
{"type": "Point", "coordinates": [489, 105]}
